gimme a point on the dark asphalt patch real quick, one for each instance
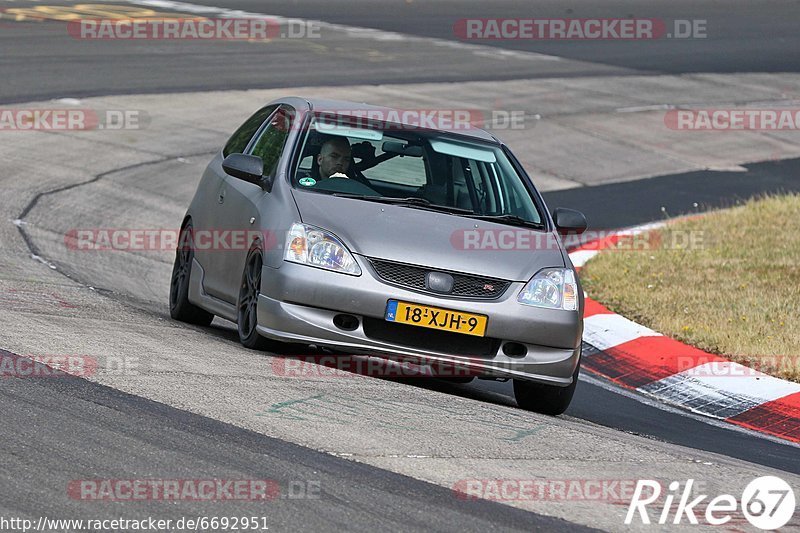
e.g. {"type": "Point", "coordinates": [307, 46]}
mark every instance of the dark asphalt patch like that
{"type": "Point", "coordinates": [621, 205]}
{"type": "Point", "coordinates": [60, 429]}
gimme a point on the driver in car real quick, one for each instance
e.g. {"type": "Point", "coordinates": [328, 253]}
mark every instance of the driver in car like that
{"type": "Point", "coordinates": [335, 158]}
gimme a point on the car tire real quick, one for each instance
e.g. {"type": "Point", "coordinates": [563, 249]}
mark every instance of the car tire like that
{"type": "Point", "coordinates": [247, 304]}
{"type": "Point", "coordinates": [546, 399]}
{"type": "Point", "coordinates": [180, 308]}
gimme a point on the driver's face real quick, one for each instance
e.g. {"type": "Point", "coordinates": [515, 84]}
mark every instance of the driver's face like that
{"type": "Point", "coordinates": [334, 157]}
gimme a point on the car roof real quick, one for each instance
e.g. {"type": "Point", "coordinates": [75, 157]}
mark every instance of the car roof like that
{"type": "Point", "coordinates": [344, 106]}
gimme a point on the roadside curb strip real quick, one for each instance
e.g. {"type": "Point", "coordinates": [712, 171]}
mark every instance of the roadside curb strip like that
{"type": "Point", "coordinates": [638, 358]}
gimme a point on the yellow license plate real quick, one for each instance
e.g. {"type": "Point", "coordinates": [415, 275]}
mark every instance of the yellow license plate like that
{"type": "Point", "coordinates": [436, 318]}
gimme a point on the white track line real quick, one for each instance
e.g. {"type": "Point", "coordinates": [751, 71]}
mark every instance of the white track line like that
{"type": "Point", "coordinates": [352, 31]}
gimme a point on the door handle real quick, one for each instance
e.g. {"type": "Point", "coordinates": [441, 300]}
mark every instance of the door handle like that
{"type": "Point", "coordinates": [221, 198]}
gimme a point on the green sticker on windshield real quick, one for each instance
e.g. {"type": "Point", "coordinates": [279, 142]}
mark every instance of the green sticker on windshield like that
{"type": "Point", "coordinates": [307, 182]}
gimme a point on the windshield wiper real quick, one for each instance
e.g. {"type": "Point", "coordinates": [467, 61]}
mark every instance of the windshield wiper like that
{"type": "Point", "coordinates": [422, 203]}
{"type": "Point", "coordinates": [513, 220]}
{"type": "Point", "coordinates": [411, 201]}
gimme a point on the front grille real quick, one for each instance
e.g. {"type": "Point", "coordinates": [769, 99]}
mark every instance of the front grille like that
{"type": "Point", "coordinates": [430, 339]}
{"type": "Point", "coordinates": [413, 277]}
{"type": "Point", "coordinates": [405, 275]}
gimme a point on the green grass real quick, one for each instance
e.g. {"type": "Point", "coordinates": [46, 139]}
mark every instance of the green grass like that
{"type": "Point", "coordinates": [735, 292]}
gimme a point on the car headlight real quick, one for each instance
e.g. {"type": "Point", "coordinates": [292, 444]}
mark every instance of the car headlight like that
{"type": "Point", "coordinates": [552, 288]}
{"type": "Point", "coordinates": [312, 246]}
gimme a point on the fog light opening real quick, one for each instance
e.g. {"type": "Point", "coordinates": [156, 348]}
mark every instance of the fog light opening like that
{"type": "Point", "coordinates": [346, 322]}
{"type": "Point", "coordinates": [515, 349]}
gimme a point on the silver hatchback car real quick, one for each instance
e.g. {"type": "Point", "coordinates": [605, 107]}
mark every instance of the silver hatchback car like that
{"type": "Point", "coordinates": [361, 228]}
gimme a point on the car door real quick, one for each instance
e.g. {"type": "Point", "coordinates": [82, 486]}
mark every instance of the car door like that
{"type": "Point", "coordinates": [208, 215]}
{"type": "Point", "coordinates": [244, 201]}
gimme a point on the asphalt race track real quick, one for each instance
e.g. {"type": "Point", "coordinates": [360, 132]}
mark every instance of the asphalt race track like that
{"type": "Point", "coordinates": [384, 454]}
{"type": "Point", "coordinates": [748, 37]}
{"type": "Point", "coordinates": [155, 438]}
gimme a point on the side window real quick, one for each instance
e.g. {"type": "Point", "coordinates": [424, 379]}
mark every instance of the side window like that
{"type": "Point", "coordinates": [270, 143]}
{"type": "Point", "coordinates": [239, 140]}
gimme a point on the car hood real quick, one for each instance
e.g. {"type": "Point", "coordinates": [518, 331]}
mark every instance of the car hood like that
{"type": "Point", "coordinates": [427, 238]}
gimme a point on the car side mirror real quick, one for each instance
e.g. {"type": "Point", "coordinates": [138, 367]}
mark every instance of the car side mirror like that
{"type": "Point", "coordinates": [569, 221]}
{"type": "Point", "coordinates": [249, 168]}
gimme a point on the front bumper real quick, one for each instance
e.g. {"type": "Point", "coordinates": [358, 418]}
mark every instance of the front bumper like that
{"type": "Point", "coordinates": [298, 304]}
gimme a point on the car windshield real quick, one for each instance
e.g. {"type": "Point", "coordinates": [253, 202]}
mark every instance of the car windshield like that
{"type": "Point", "coordinates": [416, 168]}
